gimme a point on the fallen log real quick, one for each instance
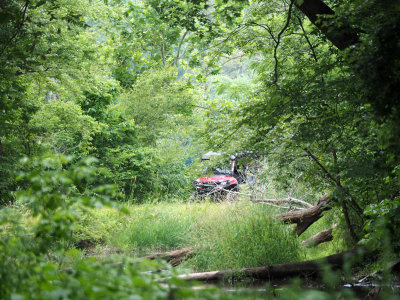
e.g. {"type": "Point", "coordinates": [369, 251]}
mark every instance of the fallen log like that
{"type": "Point", "coordinates": [392, 268]}
{"type": "Point", "coordinates": [282, 207]}
{"type": "Point", "coordinates": [276, 201]}
{"type": "Point", "coordinates": [319, 238]}
{"type": "Point", "coordinates": [307, 269]}
{"type": "Point", "coordinates": [175, 257]}
{"type": "Point", "coordinates": [304, 218]}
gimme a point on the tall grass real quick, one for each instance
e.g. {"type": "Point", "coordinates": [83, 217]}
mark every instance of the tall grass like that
{"type": "Point", "coordinates": [151, 227]}
{"type": "Point", "coordinates": [222, 235]}
{"type": "Point", "coordinates": [243, 235]}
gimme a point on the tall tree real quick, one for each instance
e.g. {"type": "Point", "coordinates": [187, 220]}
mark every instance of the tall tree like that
{"type": "Point", "coordinates": [47, 52]}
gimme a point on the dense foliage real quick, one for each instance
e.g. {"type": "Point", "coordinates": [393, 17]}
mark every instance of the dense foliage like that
{"type": "Point", "coordinates": [326, 116]}
{"type": "Point", "coordinates": [63, 93]}
{"type": "Point", "coordinates": [145, 87]}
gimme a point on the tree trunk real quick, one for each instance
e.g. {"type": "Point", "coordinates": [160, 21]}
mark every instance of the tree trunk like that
{"type": "Point", "coordinates": [342, 36]}
{"type": "Point", "coordinates": [304, 218]}
{"type": "Point", "coordinates": [319, 238]}
{"type": "Point", "coordinates": [1, 151]}
{"type": "Point", "coordinates": [311, 268]}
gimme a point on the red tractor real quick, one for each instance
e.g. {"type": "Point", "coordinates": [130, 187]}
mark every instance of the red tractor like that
{"type": "Point", "coordinates": [221, 183]}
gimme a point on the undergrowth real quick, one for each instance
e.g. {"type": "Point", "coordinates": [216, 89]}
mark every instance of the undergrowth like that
{"type": "Point", "coordinates": [222, 235]}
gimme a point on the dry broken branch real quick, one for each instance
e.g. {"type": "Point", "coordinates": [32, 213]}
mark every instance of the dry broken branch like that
{"type": "Point", "coordinates": [304, 218]}
{"type": "Point", "coordinates": [175, 257]}
{"type": "Point", "coordinates": [285, 201]}
{"type": "Point", "coordinates": [283, 207]}
{"type": "Point", "coordinates": [289, 200]}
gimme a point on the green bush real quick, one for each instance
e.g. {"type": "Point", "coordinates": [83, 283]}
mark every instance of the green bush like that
{"type": "Point", "coordinates": [52, 200]}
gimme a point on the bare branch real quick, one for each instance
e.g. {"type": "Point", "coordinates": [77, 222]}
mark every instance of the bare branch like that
{"type": "Point", "coordinates": [179, 47]}
{"type": "Point", "coordinates": [282, 207]}
{"type": "Point", "coordinates": [337, 182]}
{"type": "Point", "coordinates": [284, 200]}
{"type": "Point", "coordinates": [315, 159]}
{"type": "Point", "coordinates": [267, 28]}
{"type": "Point", "coordinates": [278, 40]}
{"type": "Point", "coordinates": [230, 34]}
{"type": "Point", "coordinates": [314, 55]}
{"type": "Point", "coordinates": [233, 58]}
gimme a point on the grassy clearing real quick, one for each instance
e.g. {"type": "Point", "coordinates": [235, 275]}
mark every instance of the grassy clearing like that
{"type": "Point", "coordinates": [223, 235]}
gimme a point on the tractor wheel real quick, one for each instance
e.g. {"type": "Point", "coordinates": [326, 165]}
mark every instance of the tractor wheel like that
{"type": "Point", "coordinates": [231, 195]}
{"type": "Point", "coordinates": [195, 197]}
{"type": "Point", "coordinates": [217, 197]}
